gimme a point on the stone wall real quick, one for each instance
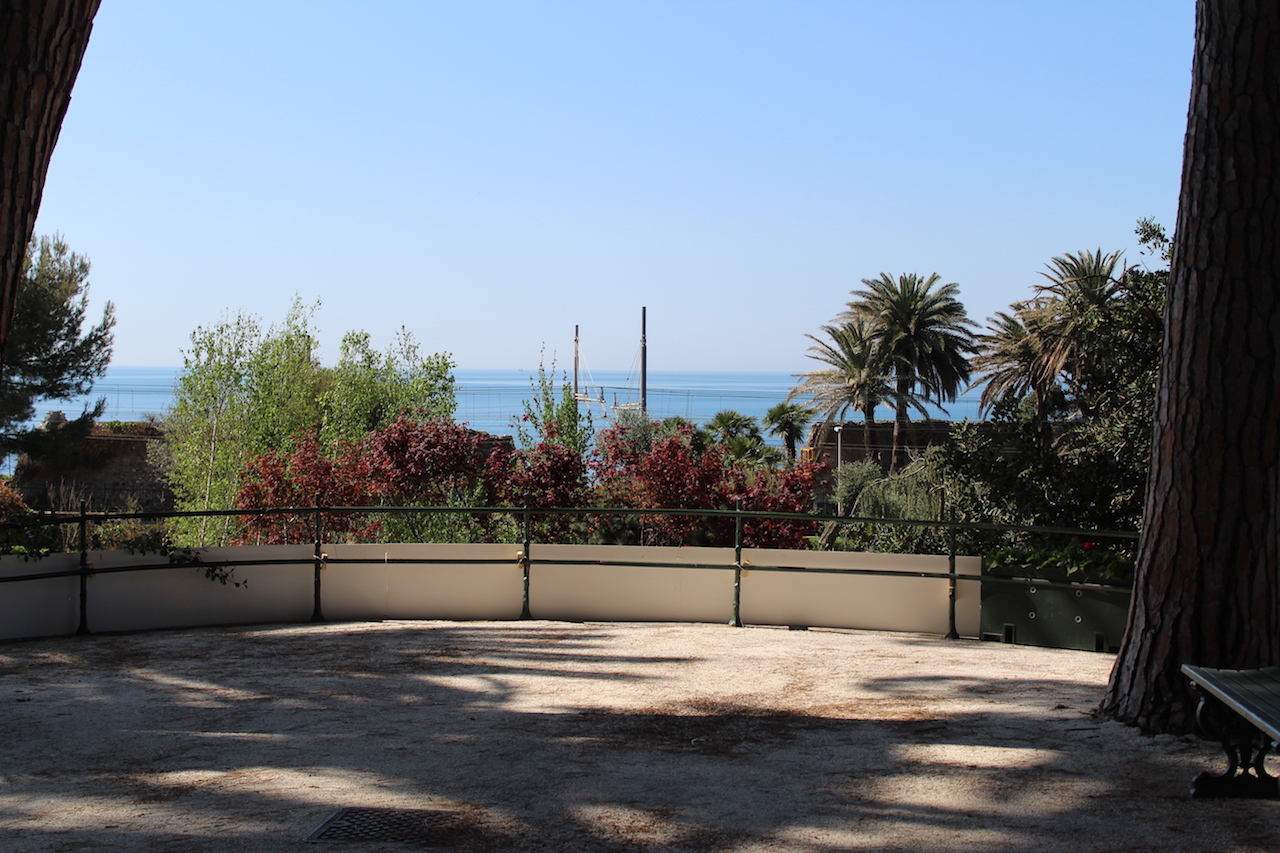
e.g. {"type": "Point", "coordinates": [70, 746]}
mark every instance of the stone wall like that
{"type": "Point", "coordinates": [109, 469]}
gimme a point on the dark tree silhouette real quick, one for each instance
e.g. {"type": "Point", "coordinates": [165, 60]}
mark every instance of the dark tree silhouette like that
{"type": "Point", "coordinates": [43, 44]}
{"type": "Point", "coordinates": [1208, 585]}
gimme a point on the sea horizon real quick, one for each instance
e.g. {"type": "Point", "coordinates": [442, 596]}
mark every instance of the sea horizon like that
{"type": "Point", "coordinates": [492, 399]}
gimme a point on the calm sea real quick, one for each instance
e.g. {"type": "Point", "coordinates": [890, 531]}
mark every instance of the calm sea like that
{"type": "Point", "coordinates": [492, 400]}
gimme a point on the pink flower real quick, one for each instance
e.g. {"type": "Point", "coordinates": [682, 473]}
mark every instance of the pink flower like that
{"type": "Point", "coordinates": [1088, 546]}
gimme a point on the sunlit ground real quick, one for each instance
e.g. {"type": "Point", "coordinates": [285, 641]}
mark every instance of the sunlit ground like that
{"type": "Point", "coordinates": [593, 737]}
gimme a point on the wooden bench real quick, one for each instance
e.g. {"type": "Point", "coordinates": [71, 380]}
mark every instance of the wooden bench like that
{"type": "Point", "coordinates": [1240, 708]}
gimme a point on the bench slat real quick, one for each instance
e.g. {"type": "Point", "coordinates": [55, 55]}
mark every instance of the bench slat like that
{"type": "Point", "coordinates": [1252, 693]}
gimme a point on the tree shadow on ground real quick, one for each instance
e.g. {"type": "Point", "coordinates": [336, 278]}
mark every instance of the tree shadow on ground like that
{"type": "Point", "coordinates": [546, 736]}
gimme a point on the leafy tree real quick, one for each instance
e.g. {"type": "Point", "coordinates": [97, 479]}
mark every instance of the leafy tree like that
{"type": "Point", "coordinates": [914, 492]}
{"type": "Point", "coordinates": [242, 393]}
{"type": "Point", "coordinates": [200, 456]}
{"type": "Point", "coordinates": [852, 478]}
{"type": "Point", "coordinates": [921, 337]}
{"type": "Point", "coordinates": [51, 356]}
{"type": "Point", "coordinates": [368, 390]}
{"type": "Point", "coordinates": [245, 393]}
{"type": "Point", "coordinates": [1006, 475]}
{"type": "Point", "coordinates": [553, 416]}
{"type": "Point", "coordinates": [284, 380]}
{"type": "Point", "coordinates": [1151, 234]}
{"type": "Point", "coordinates": [17, 534]}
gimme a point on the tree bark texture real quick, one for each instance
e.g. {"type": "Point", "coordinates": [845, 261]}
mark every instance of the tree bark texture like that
{"type": "Point", "coordinates": [1208, 573]}
{"type": "Point", "coordinates": [44, 42]}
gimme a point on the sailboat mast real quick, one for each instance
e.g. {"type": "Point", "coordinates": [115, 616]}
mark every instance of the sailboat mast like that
{"type": "Point", "coordinates": [575, 361]}
{"type": "Point", "coordinates": [644, 367]}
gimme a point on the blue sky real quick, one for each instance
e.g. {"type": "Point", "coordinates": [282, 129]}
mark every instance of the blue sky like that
{"type": "Point", "coordinates": [489, 174]}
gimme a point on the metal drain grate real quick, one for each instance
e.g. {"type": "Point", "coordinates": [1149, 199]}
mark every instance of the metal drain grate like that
{"type": "Point", "coordinates": [432, 827]}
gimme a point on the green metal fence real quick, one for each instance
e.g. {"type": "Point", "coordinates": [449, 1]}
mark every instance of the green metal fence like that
{"type": "Point", "coordinates": [192, 557]}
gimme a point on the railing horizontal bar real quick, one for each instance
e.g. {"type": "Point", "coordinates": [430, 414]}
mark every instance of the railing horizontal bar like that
{"type": "Point", "coordinates": [139, 567]}
{"type": "Point", "coordinates": [747, 567]}
{"type": "Point", "coordinates": [417, 561]}
{"type": "Point", "coordinates": [799, 518]}
{"type": "Point", "coordinates": [69, 573]}
{"type": "Point", "coordinates": [887, 573]}
{"type": "Point", "coordinates": [645, 564]}
{"type": "Point", "coordinates": [142, 567]}
{"type": "Point", "coordinates": [146, 567]}
{"type": "Point", "coordinates": [1051, 584]}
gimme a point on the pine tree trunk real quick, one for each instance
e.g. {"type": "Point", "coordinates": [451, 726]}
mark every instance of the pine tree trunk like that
{"type": "Point", "coordinates": [43, 44]}
{"type": "Point", "coordinates": [1208, 576]}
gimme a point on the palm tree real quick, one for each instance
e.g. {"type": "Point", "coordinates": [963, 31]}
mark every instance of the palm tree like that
{"type": "Point", "coordinates": [787, 421]}
{"type": "Point", "coordinates": [747, 451]}
{"type": "Point", "coordinates": [921, 336]}
{"type": "Point", "coordinates": [729, 424]}
{"type": "Point", "coordinates": [852, 380]}
{"type": "Point", "coordinates": [1081, 291]}
{"type": "Point", "coordinates": [1008, 361]}
{"type": "Point", "coordinates": [1012, 361]}
{"type": "Point", "coordinates": [1048, 342]}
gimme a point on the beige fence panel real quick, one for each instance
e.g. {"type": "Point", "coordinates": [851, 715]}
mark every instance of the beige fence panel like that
{"type": "Point", "coordinates": [631, 592]}
{"type": "Point", "coordinates": [911, 604]}
{"type": "Point", "coordinates": [378, 588]}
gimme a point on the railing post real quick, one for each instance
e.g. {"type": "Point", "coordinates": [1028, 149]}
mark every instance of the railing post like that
{"type": "Point", "coordinates": [84, 569]}
{"type": "Point", "coordinates": [736, 621]}
{"type": "Point", "coordinates": [317, 615]}
{"type": "Point", "coordinates": [524, 565]}
{"type": "Point", "coordinates": [952, 633]}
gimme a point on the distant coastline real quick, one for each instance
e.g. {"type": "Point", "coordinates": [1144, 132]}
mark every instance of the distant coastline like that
{"type": "Point", "coordinates": [492, 400]}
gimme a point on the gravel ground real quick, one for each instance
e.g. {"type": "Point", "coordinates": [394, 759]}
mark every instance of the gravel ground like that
{"type": "Point", "coordinates": [618, 738]}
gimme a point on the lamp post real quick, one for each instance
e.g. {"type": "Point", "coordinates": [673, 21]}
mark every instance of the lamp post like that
{"type": "Point", "coordinates": [839, 459]}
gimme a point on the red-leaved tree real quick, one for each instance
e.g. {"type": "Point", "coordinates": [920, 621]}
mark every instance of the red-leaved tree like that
{"type": "Point", "coordinates": [429, 463]}
{"type": "Point", "coordinates": [305, 476]}
{"type": "Point", "coordinates": [677, 473]}
{"type": "Point", "coordinates": [543, 477]}
{"type": "Point", "coordinates": [441, 464]}
{"type": "Point", "coordinates": [785, 491]}
{"type": "Point", "coordinates": [674, 476]}
{"type": "Point", "coordinates": [433, 463]}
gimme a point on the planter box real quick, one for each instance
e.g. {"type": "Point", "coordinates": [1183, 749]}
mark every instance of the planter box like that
{"type": "Point", "coordinates": [1038, 615]}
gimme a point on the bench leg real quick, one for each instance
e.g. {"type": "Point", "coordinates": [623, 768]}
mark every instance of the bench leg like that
{"type": "Point", "coordinates": [1246, 748]}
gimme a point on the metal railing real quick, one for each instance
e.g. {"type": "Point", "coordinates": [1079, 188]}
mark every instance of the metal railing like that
{"type": "Point", "coordinates": [192, 557]}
